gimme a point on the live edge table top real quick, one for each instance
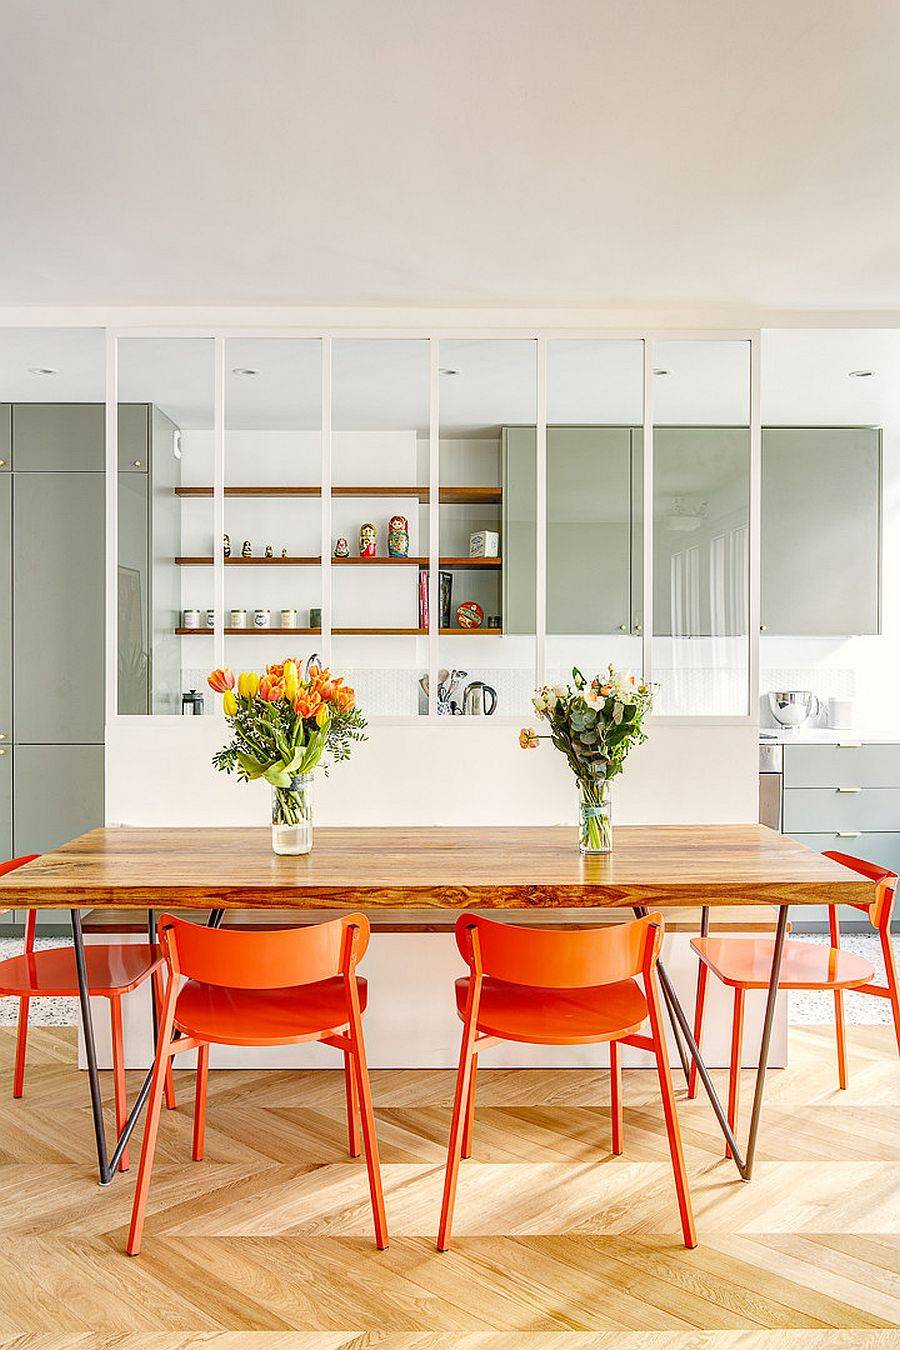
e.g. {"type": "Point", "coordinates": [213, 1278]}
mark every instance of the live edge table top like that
{"type": "Point", "coordinates": [524, 868]}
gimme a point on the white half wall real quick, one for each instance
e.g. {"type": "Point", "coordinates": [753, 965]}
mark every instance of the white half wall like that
{"type": "Point", "coordinates": [158, 772]}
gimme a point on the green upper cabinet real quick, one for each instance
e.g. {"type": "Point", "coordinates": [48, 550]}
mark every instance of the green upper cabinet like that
{"type": "Point", "coordinates": [6, 729]}
{"type": "Point", "coordinates": [71, 437]}
{"type": "Point", "coordinates": [821, 531]}
{"type": "Point", "coordinates": [519, 528]}
{"type": "Point", "coordinates": [589, 530]}
{"type": "Point", "coordinates": [5, 437]}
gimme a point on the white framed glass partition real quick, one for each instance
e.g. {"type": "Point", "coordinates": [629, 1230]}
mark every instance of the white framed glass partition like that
{"type": "Point", "coordinates": [529, 502]}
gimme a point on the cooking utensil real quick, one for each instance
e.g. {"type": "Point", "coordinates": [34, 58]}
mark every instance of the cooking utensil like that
{"type": "Point", "coordinates": [792, 707]}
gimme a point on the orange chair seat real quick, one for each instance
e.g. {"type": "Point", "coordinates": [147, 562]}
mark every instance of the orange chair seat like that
{"type": "Point", "coordinates": [521, 1012]}
{"type": "Point", "coordinates": [227, 1016]}
{"type": "Point", "coordinates": [746, 963]}
{"type": "Point", "coordinates": [116, 969]}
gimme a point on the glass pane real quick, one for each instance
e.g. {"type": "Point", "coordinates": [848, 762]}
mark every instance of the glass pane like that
{"type": "Point", "coordinates": [273, 502]}
{"type": "Point", "coordinates": [594, 506]}
{"type": "Point", "coordinates": [487, 526]}
{"type": "Point", "coordinates": [701, 518]}
{"type": "Point", "coordinates": [379, 522]}
{"type": "Point", "coordinates": [166, 398]}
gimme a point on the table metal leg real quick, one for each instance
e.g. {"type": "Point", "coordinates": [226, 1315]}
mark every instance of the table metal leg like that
{"type": "Point", "coordinates": [668, 995]}
{"type": "Point", "coordinates": [154, 1011]}
{"type": "Point", "coordinates": [744, 1164]}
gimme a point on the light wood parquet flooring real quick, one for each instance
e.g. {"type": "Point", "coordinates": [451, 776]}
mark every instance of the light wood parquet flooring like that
{"type": "Point", "coordinates": [558, 1245]}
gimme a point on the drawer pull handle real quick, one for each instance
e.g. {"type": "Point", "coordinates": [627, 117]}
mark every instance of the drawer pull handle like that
{"type": "Point", "coordinates": [849, 745]}
{"type": "Point", "coordinates": [848, 834]}
{"type": "Point", "coordinates": [858, 789]}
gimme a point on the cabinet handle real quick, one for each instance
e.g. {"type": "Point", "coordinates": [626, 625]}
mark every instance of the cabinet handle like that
{"type": "Point", "coordinates": [136, 463]}
{"type": "Point", "coordinates": [849, 745]}
{"type": "Point", "coordinates": [2, 735]}
{"type": "Point", "coordinates": [848, 834]}
{"type": "Point", "coordinates": [856, 789]}
{"type": "Point", "coordinates": [2, 463]}
{"type": "Point", "coordinates": [638, 628]}
{"type": "Point", "coordinates": [621, 627]}
{"type": "Point", "coordinates": [2, 751]}
{"type": "Point", "coordinates": [762, 627]}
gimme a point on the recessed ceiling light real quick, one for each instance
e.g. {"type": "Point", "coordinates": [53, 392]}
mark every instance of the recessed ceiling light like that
{"type": "Point", "coordinates": [659, 370]}
{"type": "Point", "coordinates": [447, 370]}
{"type": "Point", "coordinates": [860, 374]}
{"type": "Point", "coordinates": [244, 370]}
{"type": "Point", "coordinates": [42, 370]}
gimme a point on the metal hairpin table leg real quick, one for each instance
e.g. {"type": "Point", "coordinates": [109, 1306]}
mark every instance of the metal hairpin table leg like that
{"type": "Point", "coordinates": [744, 1165]}
{"type": "Point", "coordinates": [106, 1165]}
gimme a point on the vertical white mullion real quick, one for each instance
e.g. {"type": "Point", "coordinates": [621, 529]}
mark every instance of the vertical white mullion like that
{"type": "Point", "coordinates": [754, 560]}
{"type": "Point", "coordinates": [326, 601]}
{"type": "Point", "coordinates": [540, 513]}
{"type": "Point", "coordinates": [112, 526]}
{"type": "Point", "coordinates": [434, 519]}
{"type": "Point", "coordinates": [647, 515]}
{"type": "Point", "coordinates": [219, 502]}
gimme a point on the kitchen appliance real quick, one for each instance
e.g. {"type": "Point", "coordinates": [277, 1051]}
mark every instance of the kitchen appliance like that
{"type": "Point", "coordinates": [479, 699]}
{"type": "Point", "coordinates": [792, 707]}
{"type": "Point", "coordinates": [192, 704]}
{"type": "Point", "coordinates": [840, 713]}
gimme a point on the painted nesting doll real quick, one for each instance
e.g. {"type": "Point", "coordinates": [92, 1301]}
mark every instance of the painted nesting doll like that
{"type": "Point", "coordinates": [342, 548]}
{"type": "Point", "coordinates": [246, 549]}
{"type": "Point", "coordinates": [368, 540]}
{"type": "Point", "coordinates": [398, 537]}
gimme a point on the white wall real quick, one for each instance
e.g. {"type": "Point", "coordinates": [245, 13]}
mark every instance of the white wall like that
{"type": "Point", "coordinates": [452, 773]}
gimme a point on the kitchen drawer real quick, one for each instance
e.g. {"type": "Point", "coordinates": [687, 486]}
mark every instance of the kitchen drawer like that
{"type": "Point", "coordinates": [883, 849]}
{"type": "Point", "coordinates": [818, 810]}
{"type": "Point", "coordinates": [820, 766]}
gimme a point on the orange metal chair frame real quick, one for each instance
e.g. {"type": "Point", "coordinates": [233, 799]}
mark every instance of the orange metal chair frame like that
{"type": "Point", "coordinates": [537, 964]}
{"type": "Point", "coordinates": [294, 960]}
{"type": "Point", "coordinates": [66, 986]}
{"type": "Point", "coordinates": [879, 912]}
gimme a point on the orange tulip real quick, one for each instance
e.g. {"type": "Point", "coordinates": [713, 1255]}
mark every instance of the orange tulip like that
{"type": "Point", "coordinates": [220, 680]}
{"type": "Point", "coordinates": [326, 690]}
{"type": "Point", "coordinates": [275, 672]}
{"type": "Point", "coordinates": [270, 690]}
{"type": "Point", "coordinates": [344, 699]}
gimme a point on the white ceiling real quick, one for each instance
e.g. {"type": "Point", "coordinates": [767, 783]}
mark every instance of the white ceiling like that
{"type": "Point", "coordinates": [515, 152]}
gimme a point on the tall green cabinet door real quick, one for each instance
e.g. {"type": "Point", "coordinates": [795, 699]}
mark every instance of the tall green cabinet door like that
{"type": "Point", "coordinates": [589, 529]}
{"type": "Point", "coordinates": [518, 545]}
{"type": "Point", "coordinates": [821, 527]}
{"type": "Point", "coordinates": [6, 722]}
{"type": "Point", "coordinates": [58, 794]}
{"type": "Point", "coordinates": [58, 607]}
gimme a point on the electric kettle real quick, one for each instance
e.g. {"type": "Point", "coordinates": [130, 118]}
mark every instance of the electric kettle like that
{"type": "Point", "coordinates": [479, 699]}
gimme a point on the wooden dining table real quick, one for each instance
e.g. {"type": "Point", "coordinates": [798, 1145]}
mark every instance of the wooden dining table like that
{"type": "Point", "coordinates": [377, 870]}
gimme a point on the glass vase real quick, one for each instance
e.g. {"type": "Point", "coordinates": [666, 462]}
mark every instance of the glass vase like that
{"type": "Point", "coordinates": [292, 816]}
{"type": "Point", "coordinates": [595, 818]}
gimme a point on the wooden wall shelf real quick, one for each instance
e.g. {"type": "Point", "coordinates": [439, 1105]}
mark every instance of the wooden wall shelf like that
{"type": "Point", "coordinates": [459, 496]}
{"type": "Point", "coordinates": [246, 632]}
{"type": "Point", "coordinates": [340, 632]}
{"type": "Point", "coordinates": [314, 560]}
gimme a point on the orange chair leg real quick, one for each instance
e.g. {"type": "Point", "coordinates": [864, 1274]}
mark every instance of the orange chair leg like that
{"type": "Point", "coordinates": [702, 976]}
{"type": "Point", "coordinates": [151, 1127]}
{"type": "Point", "coordinates": [890, 967]}
{"type": "Point", "coordinates": [457, 1128]}
{"type": "Point", "coordinates": [373, 1166]}
{"type": "Point", "coordinates": [353, 1144]}
{"type": "Point", "coordinates": [200, 1103]}
{"type": "Point", "coordinates": [734, 1075]}
{"type": "Point", "coordinates": [21, 1044]}
{"type": "Point", "coordinates": [673, 1130]}
{"type": "Point", "coordinates": [615, 1097]}
{"type": "Point", "coordinates": [841, 1035]}
{"type": "Point", "coordinates": [118, 1059]}
{"type": "Point", "coordinates": [469, 1127]}
{"type": "Point", "coordinates": [158, 995]}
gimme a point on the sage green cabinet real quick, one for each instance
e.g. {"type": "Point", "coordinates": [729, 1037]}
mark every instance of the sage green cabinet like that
{"type": "Point", "coordinates": [6, 811]}
{"type": "Point", "coordinates": [58, 607]}
{"type": "Point", "coordinates": [5, 437]}
{"type": "Point", "coordinates": [518, 534]}
{"type": "Point", "coordinates": [6, 722]}
{"type": "Point", "coordinates": [58, 794]}
{"type": "Point", "coordinates": [589, 529]}
{"type": "Point", "coordinates": [821, 528]}
{"type": "Point", "coordinates": [71, 437]}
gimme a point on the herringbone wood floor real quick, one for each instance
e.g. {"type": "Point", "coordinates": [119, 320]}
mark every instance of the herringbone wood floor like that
{"type": "Point", "coordinates": [557, 1243]}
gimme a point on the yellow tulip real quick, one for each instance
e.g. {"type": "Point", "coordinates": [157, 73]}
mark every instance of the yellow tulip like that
{"type": "Point", "coordinates": [322, 715]}
{"type": "Point", "coordinates": [229, 703]}
{"type": "Point", "coordinates": [291, 683]}
{"type": "Point", "coordinates": [248, 683]}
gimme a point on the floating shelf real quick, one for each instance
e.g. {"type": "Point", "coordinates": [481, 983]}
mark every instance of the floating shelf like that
{"type": "Point", "coordinates": [245, 632]}
{"type": "Point", "coordinates": [315, 560]}
{"type": "Point", "coordinates": [459, 496]}
{"type": "Point", "coordinates": [339, 632]}
{"type": "Point", "coordinates": [471, 632]}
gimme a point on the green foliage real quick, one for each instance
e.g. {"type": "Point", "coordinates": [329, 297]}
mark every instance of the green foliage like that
{"type": "Point", "coordinates": [595, 723]}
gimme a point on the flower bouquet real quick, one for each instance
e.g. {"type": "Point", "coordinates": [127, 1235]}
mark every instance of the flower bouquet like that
{"type": "Point", "coordinates": [594, 724]}
{"type": "Point", "coordinates": [282, 724]}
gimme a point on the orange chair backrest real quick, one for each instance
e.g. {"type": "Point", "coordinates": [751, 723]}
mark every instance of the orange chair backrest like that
{"type": "Point", "coordinates": [274, 959]}
{"type": "Point", "coordinates": [885, 885]}
{"type": "Point", "coordinates": [573, 958]}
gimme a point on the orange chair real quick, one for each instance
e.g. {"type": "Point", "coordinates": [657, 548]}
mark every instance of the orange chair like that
{"type": "Point", "coordinates": [113, 970]}
{"type": "Point", "coordinates": [278, 987]}
{"type": "Point", "coordinates": [746, 963]}
{"type": "Point", "coordinates": [573, 987]}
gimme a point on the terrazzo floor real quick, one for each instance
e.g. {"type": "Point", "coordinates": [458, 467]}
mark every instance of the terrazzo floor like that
{"type": "Point", "coordinates": [806, 1009]}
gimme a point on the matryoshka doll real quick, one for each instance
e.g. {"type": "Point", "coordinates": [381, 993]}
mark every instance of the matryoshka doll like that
{"type": "Point", "coordinates": [398, 537]}
{"type": "Point", "coordinates": [368, 538]}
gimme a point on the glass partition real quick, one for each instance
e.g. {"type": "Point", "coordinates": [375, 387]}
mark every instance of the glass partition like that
{"type": "Point", "coordinates": [379, 522]}
{"type": "Point", "coordinates": [594, 506]}
{"type": "Point", "coordinates": [273, 500]}
{"type": "Point", "coordinates": [165, 524]}
{"type": "Point", "coordinates": [488, 526]}
{"type": "Point", "coordinates": [701, 518]}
